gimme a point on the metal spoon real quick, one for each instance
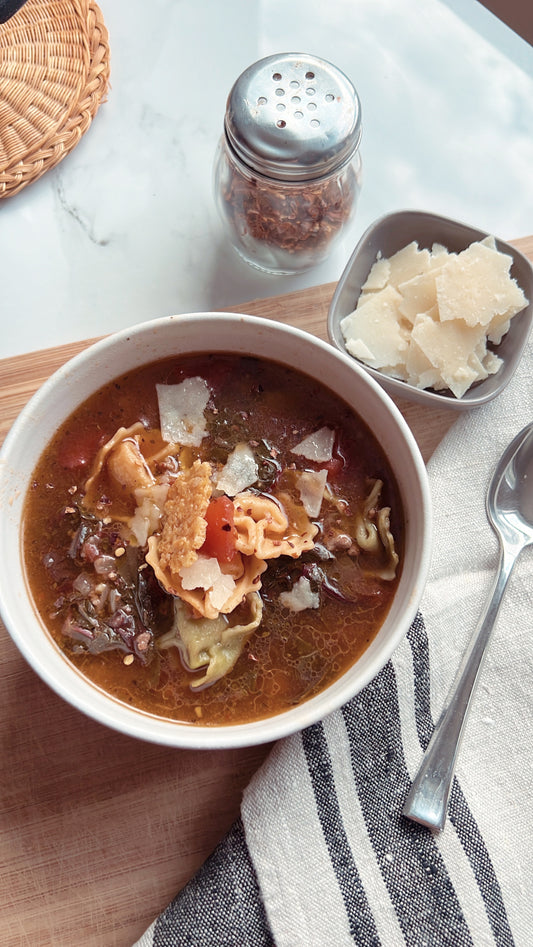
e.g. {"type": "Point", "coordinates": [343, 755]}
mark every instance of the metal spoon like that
{"type": "Point", "coordinates": [509, 507]}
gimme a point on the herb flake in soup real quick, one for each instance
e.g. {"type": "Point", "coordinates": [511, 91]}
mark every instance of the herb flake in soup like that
{"type": "Point", "coordinates": [213, 539]}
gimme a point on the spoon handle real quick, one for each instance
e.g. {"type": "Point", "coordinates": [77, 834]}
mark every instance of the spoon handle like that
{"type": "Point", "coordinates": [428, 797]}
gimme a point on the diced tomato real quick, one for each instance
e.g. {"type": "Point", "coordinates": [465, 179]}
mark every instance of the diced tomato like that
{"type": "Point", "coordinates": [221, 532]}
{"type": "Point", "coordinates": [79, 449]}
{"type": "Point", "coordinates": [334, 467]}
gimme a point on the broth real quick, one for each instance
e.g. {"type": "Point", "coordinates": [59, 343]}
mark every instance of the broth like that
{"type": "Point", "coordinates": [107, 609]}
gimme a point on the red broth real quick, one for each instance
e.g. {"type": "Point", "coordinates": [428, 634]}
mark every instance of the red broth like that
{"type": "Point", "coordinates": [292, 655]}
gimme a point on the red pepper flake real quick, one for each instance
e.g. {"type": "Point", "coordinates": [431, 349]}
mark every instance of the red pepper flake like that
{"type": "Point", "coordinates": [307, 217]}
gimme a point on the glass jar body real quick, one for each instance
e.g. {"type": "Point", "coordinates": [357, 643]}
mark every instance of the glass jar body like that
{"type": "Point", "coordinates": [283, 227]}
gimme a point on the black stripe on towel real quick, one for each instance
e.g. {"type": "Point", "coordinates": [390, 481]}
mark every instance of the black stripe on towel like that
{"type": "Point", "coordinates": [407, 856]}
{"type": "Point", "coordinates": [418, 641]}
{"type": "Point", "coordinates": [458, 810]}
{"type": "Point", "coordinates": [221, 906]}
{"type": "Point", "coordinates": [360, 919]}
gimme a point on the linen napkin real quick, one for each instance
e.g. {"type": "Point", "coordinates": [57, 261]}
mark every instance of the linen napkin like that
{"type": "Point", "coordinates": [322, 855]}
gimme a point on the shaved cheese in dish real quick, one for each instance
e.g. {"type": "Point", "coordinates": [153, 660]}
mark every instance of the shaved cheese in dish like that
{"type": "Point", "coordinates": [475, 286]}
{"type": "Point", "coordinates": [428, 317]}
{"type": "Point", "coordinates": [374, 328]}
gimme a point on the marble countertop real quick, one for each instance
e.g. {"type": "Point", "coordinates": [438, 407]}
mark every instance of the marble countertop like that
{"type": "Point", "coordinates": [125, 228]}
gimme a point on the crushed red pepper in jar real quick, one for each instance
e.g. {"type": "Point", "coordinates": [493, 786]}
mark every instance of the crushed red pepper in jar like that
{"type": "Point", "coordinates": [287, 186]}
{"type": "Point", "coordinates": [301, 217]}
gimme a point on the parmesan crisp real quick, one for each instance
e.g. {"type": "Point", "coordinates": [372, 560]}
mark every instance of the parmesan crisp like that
{"type": "Point", "coordinates": [184, 523]}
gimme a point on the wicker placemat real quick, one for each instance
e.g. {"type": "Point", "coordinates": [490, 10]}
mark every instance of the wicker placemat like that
{"type": "Point", "coordinates": [54, 72]}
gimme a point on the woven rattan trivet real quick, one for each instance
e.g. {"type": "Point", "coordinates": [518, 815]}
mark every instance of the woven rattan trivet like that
{"type": "Point", "coordinates": [54, 72]}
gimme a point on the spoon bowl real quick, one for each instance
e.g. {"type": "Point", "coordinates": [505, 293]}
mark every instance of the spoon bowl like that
{"type": "Point", "coordinates": [510, 494]}
{"type": "Point", "coordinates": [509, 505]}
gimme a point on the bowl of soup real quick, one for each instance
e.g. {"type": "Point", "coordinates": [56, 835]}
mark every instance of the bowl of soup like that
{"type": "Point", "coordinates": [215, 530]}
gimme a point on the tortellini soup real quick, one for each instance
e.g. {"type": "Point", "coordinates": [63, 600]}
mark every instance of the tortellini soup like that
{"type": "Point", "coordinates": [213, 538]}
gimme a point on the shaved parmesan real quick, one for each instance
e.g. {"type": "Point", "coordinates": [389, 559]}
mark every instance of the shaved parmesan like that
{"type": "Point", "coordinates": [181, 411]}
{"type": "Point", "coordinates": [300, 596]}
{"type": "Point", "coordinates": [408, 263]}
{"type": "Point", "coordinates": [317, 446]}
{"type": "Point", "coordinates": [375, 325]}
{"type": "Point", "coordinates": [475, 286]}
{"type": "Point", "coordinates": [206, 574]}
{"type": "Point", "coordinates": [311, 485]}
{"type": "Point", "coordinates": [418, 294]}
{"type": "Point", "coordinates": [360, 349]}
{"type": "Point", "coordinates": [239, 472]}
{"type": "Point", "coordinates": [449, 348]}
{"type": "Point", "coordinates": [427, 317]}
{"type": "Point", "coordinates": [378, 277]}
{"type": "Point", "coordinates": [148, 512]}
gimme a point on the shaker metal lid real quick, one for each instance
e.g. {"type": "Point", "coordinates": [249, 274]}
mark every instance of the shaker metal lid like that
{"type": "Point", "coordinates": [293, 117]}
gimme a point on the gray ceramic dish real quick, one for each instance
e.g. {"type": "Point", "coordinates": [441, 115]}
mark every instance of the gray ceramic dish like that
{"type": "Point", "coordinates": [391, 233]}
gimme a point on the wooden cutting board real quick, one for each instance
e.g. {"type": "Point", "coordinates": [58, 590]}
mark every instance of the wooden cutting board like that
{"type": "Point", "coordinates": [98, 831]}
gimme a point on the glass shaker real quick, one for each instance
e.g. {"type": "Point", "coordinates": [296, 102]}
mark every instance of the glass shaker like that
{"type": "Point", "coordinates": [287, 169]}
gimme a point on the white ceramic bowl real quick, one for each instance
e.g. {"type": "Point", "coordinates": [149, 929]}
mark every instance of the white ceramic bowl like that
{"type": "Point", "coordinates": [389, 234]}
{"type": "Point", "coordinates": [216, 332]}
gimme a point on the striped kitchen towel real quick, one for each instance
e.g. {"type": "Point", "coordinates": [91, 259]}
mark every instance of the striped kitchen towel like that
{"type": "Point", "coordinates": [322, 855]}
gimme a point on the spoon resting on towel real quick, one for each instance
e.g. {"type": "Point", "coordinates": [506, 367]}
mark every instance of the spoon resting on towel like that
{"type": "Point", "coordinates": [509, 506]}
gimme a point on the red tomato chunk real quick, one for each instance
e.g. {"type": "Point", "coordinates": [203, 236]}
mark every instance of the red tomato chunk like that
{"type": "Point", "coordinates": [221, 533]}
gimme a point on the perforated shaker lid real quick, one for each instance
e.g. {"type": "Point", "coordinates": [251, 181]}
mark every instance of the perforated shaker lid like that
{"type": "Point", "coordinates": [293, 117]}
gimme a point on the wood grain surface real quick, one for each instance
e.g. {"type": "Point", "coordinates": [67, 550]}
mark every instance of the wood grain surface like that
{"type": "Point", "coordinates": [99, 831]}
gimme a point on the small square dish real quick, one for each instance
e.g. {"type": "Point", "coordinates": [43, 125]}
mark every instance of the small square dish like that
{"type": "Point", "coordinates": [392, 233]}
